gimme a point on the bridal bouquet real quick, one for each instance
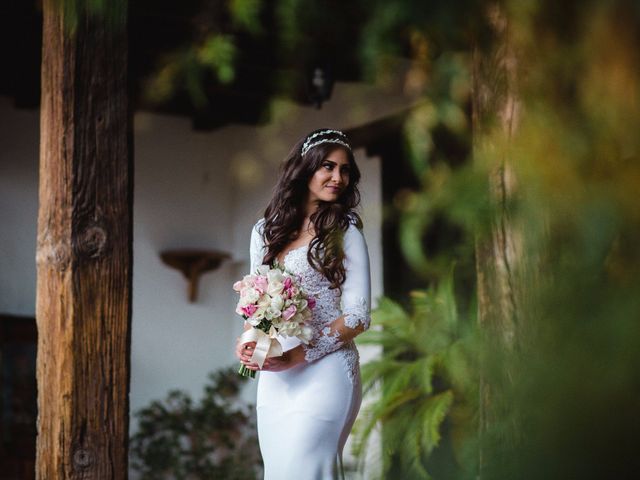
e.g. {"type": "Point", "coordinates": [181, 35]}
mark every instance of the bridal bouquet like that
{"type": "Point", "coordinates": [273, 303]}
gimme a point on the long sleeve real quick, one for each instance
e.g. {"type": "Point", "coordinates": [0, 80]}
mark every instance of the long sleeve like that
{"type": "Point", "coordinates": [356, 290]}
{"type": "Point", "coordinates": [356, 300]}
{"type": "Point", "coordinates": [256, 247]}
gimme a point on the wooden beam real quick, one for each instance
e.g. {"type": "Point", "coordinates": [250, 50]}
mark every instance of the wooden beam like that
{"type": "Point", "coordinates": [84, 248]}
{"type": "Point", "coordinates": [496, 116]}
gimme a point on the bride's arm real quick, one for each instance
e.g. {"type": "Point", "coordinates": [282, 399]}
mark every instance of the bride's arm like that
{"type": "Point", "coordinates": [256, 247]}
{"type": "Point", "coordinates": [355, 318]}
{"type": "Point", "coordinates": [256, 254]}
{"type": "Point", "coordinates": [356, 300]}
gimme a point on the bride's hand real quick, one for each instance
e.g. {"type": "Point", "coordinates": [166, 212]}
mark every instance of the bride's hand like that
{"type": "Point", "coordinates": [287, 360]}
{"type": "Point", "coordinates": [244, 351]}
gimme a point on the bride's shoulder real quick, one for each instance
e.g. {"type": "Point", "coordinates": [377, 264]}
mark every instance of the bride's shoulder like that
{"type": "Point", "coordinates": [354, 231]}
{"type": "Point", "coordinates": [355, 224]}
{"type": "Point", "coordinates": [257, 233]}
{"type": "Point", "coordinates": [258, 226]}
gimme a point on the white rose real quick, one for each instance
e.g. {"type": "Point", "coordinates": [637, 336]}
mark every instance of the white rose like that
{"type": "Point", "coordinates": [275, 288]}
{"type": "Point", "coordinates": [259, 314]}
{"type": "Point", "coordinates": [288, 329]}
{"type": "Point", "coordinates": [276, 282]}
{"type": "Point", "coordinates": [264, 301]}
{"type": "Point", "coordinates": [306, 333]}
{"type": "Point", "coordinates": [254, 321]}
{"type": "Point", "coordinates": [294, 331]}
{"type": "Point", "coordinates": [277, 302]}
{"type": "Point", "coordinates": [272, 313]}
{"type": "Point", "coordinates": [249, 295]}
{"type": "Point", "coordinates": [275, 275]}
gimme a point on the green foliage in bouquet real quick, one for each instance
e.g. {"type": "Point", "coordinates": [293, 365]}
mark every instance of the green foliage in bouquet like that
{"type": "Point", "coordinates": [423, 378]}
{"type": "Point", "coordinates": [215, 438]}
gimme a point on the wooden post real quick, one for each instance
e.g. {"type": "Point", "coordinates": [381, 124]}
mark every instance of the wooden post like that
{"type": "Point", "coordinates": [496, 112]}
{"type": "Point", "coordinates": [84, 251]}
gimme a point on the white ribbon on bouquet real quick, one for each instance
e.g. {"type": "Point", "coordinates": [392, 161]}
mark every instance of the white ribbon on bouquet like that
{"type": "Point", "coordinates": [267, 345]}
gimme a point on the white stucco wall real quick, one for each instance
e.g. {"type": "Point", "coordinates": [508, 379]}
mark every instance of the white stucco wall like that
{"type": "Point", "coordinates": [191, 190]}
{"type": "Point", "coordinates": [18, 208]}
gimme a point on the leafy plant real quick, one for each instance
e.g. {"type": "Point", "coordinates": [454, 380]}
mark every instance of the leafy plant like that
{"type": "Point", "coordinates": [423, 378]}
{"type": "Point", "coordinates": [215, 438]}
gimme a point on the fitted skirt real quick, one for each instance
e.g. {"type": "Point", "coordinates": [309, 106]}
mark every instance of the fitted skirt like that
{"type": "Point", "coordinates": [305, 415]}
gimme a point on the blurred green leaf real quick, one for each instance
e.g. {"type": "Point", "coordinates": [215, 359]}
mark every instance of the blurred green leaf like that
{"type": "Point", "coordinates": [246, 14]}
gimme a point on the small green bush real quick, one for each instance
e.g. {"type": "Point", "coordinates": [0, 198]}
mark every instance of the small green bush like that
{"type": "Point", "coordinates": [216, 438]}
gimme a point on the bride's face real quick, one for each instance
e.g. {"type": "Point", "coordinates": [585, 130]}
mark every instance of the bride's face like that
{"type": "Point", "coordinates": [330, 180]}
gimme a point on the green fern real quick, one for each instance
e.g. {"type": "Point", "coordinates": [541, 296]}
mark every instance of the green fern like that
{"type": "Point", "coordinates": [424, 375]}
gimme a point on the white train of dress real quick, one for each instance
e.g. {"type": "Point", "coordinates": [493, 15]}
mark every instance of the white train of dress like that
{"type": "Point", "coordinates": [306, 413]}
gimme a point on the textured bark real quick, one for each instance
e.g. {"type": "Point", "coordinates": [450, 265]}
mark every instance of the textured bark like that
{"type": "Point", "coordinates": [496, 110]}
{"type": "Point", "coordinates": [495, 117]}
{"type": "Point", "coordinates": [84, 251]}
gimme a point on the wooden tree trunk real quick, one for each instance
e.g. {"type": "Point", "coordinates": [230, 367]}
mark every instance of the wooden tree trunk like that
{"type": "Point", "coordinates": [84, 251]}
{"type": "Point", "coordinates": [496, 110]}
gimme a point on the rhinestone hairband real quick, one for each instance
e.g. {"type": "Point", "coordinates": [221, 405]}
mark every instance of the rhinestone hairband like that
{"type": "Point", "coordinates": [309, 145]}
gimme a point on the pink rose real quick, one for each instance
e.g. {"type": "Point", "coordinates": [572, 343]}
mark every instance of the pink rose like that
{"type": "Point", "coordinates": [261, 284]}
{"type": "Point", "coordinates": [249, 310]}
{"type": "Point", "coordinates": [311, 302]}
{"type": "Point", "coordinates": [237, 286]}
{"type": "Point", "coordinates": [289, 312]}
{"type": "Point", "coordinates": [288, 287]}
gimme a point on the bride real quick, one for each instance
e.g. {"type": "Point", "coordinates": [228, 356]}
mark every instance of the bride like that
{"type": "Point", "coordinates": [309, 397]}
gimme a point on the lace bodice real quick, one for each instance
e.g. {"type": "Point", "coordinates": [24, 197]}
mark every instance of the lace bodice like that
{"type": "Point", "coordinates": [315, 285]}
{"type": "Point", "coordinates": [353, 303]}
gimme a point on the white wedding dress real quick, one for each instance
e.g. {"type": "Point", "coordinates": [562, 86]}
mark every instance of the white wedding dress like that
{"type": "Point", "coordinates": [306, 413]}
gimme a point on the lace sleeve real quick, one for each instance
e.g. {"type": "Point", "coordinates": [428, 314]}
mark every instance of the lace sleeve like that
{"type": "Point", "coordinates": [256, 247]}
{"type": "Point", "coordinates": [356, 300]}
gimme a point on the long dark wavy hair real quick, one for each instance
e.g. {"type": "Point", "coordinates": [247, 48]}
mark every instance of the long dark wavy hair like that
{"type": "Point", "coordinates": [285, 213]}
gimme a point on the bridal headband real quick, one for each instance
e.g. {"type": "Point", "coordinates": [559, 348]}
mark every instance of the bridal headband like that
{"type": "Point", "coordinates": [310, 142]}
